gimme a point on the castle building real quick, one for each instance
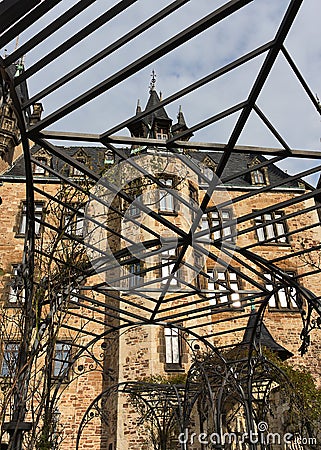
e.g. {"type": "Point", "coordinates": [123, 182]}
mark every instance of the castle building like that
{"type": "Point", "coordinates": [142, 272]}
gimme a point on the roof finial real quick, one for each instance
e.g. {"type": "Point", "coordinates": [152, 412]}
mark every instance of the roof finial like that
{"type": "Point", "coordinates": [138, 107]}
{"type": "Point", "coordinates": [153, 81]}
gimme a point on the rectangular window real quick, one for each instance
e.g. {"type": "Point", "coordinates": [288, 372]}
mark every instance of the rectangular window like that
{"type": "Point", "coordinates": [229, 284]}
{"type": "Point", "coordinates": [193, 198]}
{"type": "Point", "coordinates": [17, 291]}
{"type": "Point", "coordinates": [168, 260]}
{"type": "Point", "coordinates": [172, 347]}
{"type": "Point", "coordinates": [135, 277]}
{"type": "Point", "coordinates": [74, 222]}
{"type": "Point", "coordinates": [10, 358]}
{"type": "Point", "coordinates": [62, 359]}
{"type": "Point", "coordinates": [285, 297]}
{"type": "Point", "coordinates": [166, 199]}
{"type": "Point", "coordinates": [23, 219]}
{"type": "Point", "coordinates": [161, 134]}
{"type": "Point", "coordinates": [271, 231]}
{"type": "Point", "coordinates": [38, 170]}
{"type": "Point", "coordinates": [258, 177]}
{"type": "Point", "coordinates": [219, 219]}
{"type": "Point", "coordinates": [208, 172]}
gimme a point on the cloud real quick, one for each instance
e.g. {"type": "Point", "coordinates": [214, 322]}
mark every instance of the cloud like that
{"type": "Point", "coordinates": [282, 99]}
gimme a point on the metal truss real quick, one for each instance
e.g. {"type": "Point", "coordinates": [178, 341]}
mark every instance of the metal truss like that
{"type": "Point", "coordinates": [117, 308]}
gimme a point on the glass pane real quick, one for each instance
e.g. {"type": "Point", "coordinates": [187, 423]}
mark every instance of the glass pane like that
{"type": "Point", "coordinates": [204, 222]}
{"type": "Point", "coordinates": [217, 233]}
{"type": "Point", "coordinates": [23, 224]}
{"type": "Point", "coordinates": [260, 234]}
{"type": "Point", "coordinates": [175, 349]}
{"type": "Point", "coordinates": [282, 298]}
{"type": "Point", "coordinates": [292, 292]}
{"type": "Point", "coordinates": [280, 230]}
{"type": "Point", "coordinates": [270, 232]}
{"type": "Point", "coordinates": [62, 357]}
{"type": "Point", "coordinates": [10, 356]}
{"type": "Point", "coordinates": [172, 348]}
{"type": "Point", "coordinates": [208, 172]}
{"type": "Point", "coordinates": [166, 202]}
{"type": "Point", "coordinates": [37, 224]}
{"type": "Point", "coordinates": [272, 302]}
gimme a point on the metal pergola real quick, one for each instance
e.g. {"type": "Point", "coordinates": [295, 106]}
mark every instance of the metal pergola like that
{"type": "Point", "coordinates": [159, 305]}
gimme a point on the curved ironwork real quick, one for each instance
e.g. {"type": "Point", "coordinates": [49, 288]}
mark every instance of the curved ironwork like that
{"type": "Point", "coordinates": [110, 301]}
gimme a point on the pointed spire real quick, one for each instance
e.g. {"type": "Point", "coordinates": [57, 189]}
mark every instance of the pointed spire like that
{"type": "Point", "coordinates": [153, 82]}
{"type": "Point", "coordinates": [138, 107]}
{"type": "Point", "coordinates": [180, 117]}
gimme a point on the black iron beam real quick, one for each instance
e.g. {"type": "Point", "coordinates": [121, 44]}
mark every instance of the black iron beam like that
{"type": "Point", "coordinates": [192, 87]}
{"type": "Point", "coordinates": [75, 39]}
{"type": "Point", "coordinates": [172, 44]}
{"type": "Point", "coordinates": [107, 51]}
{"type": "Point", "coordinates": [13, 10]}
{"type": "Point", "coordinates": [48, 30]}
{"type": "Point", "coordinates": [27, 21]}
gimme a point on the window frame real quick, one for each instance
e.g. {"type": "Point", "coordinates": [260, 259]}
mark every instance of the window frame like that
{"type": "Point", "coordinates": [109, 157]}
{"type": "Point", "coordinates": [213, 221]}
{"type": "Point", "coordinates": [258, 177]}
{"type": "Point", "coordinates": [64, 362]}
{"type": "Point", "coordinates": [165, 196]}
{"type": "Point", "coordinates": [161, 134]}
{"type": "Point", "coordinates": [233, 300]}
{"type": "Point", "coordinates": [7, 362]}
{"type": "Point", "coordinates": [74, 171]}
{"type": "Point", "coordinates": [71, 220]}
{"type": "Point", "coordinates": [165, 257]}
{"type": "Point", "coordinates": [37, 170]}
{"type": "Point", "coordinates": [284, 291]}
{"type": "Point", "coordinates": [19, 294]}
{"type": "Point", "coordinates": [193, 199]}
{"type": "Point", "coordinates": [172, 353]}
{"type": "Point", "coordinates": [134, 276]}
{"type": "Point", "coordinates": [39, 214]}
{"type": "Point", "coordinates": [271, 231]}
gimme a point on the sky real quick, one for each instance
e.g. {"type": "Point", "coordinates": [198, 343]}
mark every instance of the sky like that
{"type": "Point", "coordinates": [282, 98]}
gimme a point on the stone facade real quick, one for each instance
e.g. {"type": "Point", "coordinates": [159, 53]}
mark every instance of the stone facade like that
{"type": "Point", "coordinates": [138, 351]}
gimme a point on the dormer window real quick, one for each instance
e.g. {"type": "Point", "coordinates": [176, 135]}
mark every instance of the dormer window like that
{"type": "Point", "coordinates": [44, 158]}
{"type": "Point", "coordinates": [109, 157]}
{"type": "Point", "coordinates": [259, 176]}
{"type": "Point", "coordinates": [162, 134]}
{"type": "Point", "coordinates": [39, 170]}
{"type": "Point", "coordinates": [78, 172]}
{"type": "Point", "coordinates": [207, 167]}
{"type": "Point", "coordinates": [82, 158]}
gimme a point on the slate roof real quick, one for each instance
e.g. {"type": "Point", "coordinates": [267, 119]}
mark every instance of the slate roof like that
{"type": "Point", "coordinates": [159, 113]}
{"type": "Point", "coordinates": [239, 162]}
{"type": "Point", "coordinates": [95, 156]}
